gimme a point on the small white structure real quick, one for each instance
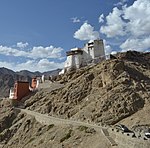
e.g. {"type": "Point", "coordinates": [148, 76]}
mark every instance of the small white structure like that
{"type": "Point", "coordinates": [74, 59]}
{"type": "Point", "coordinates": [43, 78]}
{"type": "Point", "coordinates": [92, 52]}
{"type": "Point", "coordinates": [11, 93]}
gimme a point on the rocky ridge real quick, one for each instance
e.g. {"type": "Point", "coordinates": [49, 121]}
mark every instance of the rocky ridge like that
{"type": "Point", "coordinates": [116, 90]}
{"type": "Point", "coordinates": [105, 93]}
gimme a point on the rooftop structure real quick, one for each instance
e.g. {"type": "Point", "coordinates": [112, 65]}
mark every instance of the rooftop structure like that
{"type": "Point", "coordinates": [92, 52]}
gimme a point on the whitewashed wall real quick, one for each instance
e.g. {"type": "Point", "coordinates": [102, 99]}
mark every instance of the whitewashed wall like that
{"type": "Point", "coordinates": [90, 54]}
{"type": "Point", "coordinates": [98, 48]}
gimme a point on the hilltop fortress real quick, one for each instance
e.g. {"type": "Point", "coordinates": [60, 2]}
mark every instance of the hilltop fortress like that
{"type": "Point", "coordinates": [92, 52]}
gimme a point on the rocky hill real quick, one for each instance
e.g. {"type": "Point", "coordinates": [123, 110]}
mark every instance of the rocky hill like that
{"type": "Point", "coordinates": [116, 90]}
{"type": "Point", "coordinates": [105, 93]}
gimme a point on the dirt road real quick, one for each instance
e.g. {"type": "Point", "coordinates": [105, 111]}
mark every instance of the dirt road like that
{"type": "Point", "coordinates": [47, 120]}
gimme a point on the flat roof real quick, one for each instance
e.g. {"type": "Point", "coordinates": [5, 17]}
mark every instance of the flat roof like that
{"type": "Point", "coordinates": [21, 81]}
{"type": "Point", "coordinates": [74, 52]}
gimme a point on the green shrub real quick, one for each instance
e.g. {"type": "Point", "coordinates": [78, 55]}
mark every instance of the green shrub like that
{"type": "Point", "coordinates": [50, 126]}
{"type": "Point", "coordinates": [82, 128]}
{"type": "Point", "coordinates": [41, 141]}
{"type": "Point", "coordinates": [30, 140]}
{"type": "Point", "coordinates": [67, 136]}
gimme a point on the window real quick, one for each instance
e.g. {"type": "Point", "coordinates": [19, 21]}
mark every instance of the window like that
{"type": "Point", "coordinates": [90, 43]}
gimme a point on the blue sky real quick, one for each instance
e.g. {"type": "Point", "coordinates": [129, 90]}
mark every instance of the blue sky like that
{"type": "Point", "coordinates": [35, 34]}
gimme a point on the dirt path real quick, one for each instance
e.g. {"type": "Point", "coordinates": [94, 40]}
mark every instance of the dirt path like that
{"type": "Point", "coordinates": [110, 139]}
{"type": "Point", "coordinates": [47, 120]}
{"type": "Point", "coordinates": [49, 86]}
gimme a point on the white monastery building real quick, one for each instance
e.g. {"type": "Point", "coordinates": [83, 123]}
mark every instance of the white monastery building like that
{"type": "Point", "coordinates": [92, 52]}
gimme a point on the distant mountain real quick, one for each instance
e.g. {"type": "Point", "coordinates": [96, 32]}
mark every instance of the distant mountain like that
{"type": "Point", "coordinates": [8, 77]}
{"type": "Point", "coordinates": [28, 73]}
{"type": "Point", "coordinates": [4, 70]}
{"type": "Point", "coordinates": [53, 72]}
{"type": "Point", "coordinates": [37, 73]}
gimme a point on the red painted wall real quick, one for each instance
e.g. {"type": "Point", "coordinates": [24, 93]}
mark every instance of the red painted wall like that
{"type": "Point", "coordinates": [34, 82]}
{"type": "Point", "coordinates": [21, 89]}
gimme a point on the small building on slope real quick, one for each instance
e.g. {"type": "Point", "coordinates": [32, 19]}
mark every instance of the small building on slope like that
{"type": "Point", "coordinates": [20, 90]}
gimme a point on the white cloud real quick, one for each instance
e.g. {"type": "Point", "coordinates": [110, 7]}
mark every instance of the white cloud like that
{"type": "Point", "coordinates": [136, 44]}
{"type": "Point", "coordinates": [75, 20]}
{"type": "Point", "coordinates": [4, 50]}
{"type": "Point", "coordinates": [134, 20]}
{"type": "Point", "coordinates": [139, 18]}
{"type": "Point", "coordinates": [130, 22]}
{"type": "Point", "coordinates": [122, 2]}
{"type": "Point", "coordinates": [33, 65]}
{"type": "Point", "coordinates": [34, 53]}
{"type": "Point", "coordinates": [101, 18]}
{"type": "Point", "coordinates": [86, 32]}
{"type": "Point", "coordinates": [45, 52]}
{"type": "Point", "coordinates": [46, 64]}
{"type": "Point", "coordinates": [40, 58]}
{"type": "Point", "coordinates": [22, 45]}
{"type": "Point", "coordinates": [108, 48]}
{"type": "Point", "coordinates": [114, 25]}
{"type": "Point", "coordinates": [7, 64]}
{"type": "Point", "coordinates": [114, 52]}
